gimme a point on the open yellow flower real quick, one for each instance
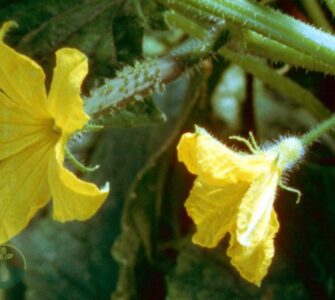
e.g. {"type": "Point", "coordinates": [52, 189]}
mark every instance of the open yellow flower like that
{"type": "Point", "coordinates": [34, 128]}
{"type": "Point", "coordinates": [234, 192]}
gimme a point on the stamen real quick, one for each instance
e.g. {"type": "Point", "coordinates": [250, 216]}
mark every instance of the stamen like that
{"type": "Point", "coordinates": [253, 150]}
{"type": "Point", "coordinates": [253, 141]}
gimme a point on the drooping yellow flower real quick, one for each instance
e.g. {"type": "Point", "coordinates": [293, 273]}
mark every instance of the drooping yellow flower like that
{"type": "Point", "coordinates": [234, 193]}
{"type": "Point", "coordinates": [34, 128]}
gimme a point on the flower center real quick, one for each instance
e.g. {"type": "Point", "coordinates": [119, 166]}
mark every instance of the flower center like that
{"type": "Point", "coordinates": [56, 129]}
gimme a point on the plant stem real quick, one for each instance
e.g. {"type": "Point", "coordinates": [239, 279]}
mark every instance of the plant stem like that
{"type": "Point", "coordinates": [316, 14]}
{"type": "Point", "coordinates": [151, 75]}
{"type": "Point", "coordinates": [259, 69]}
{"type": "Point", "coordinates": [265, 47]}
{"type": "Point", "coordinates": [78, 165]}
{"type": "Point", "coordinates": [270, 23]}
{"type": "Point", "coordinates": [244, 40]}
{"type": "Point", "coordinates": [331, 6]}
{"type": "Point", "coordinates": [139, 80]}
{"type": "Point", "coordinates": [313, 135]}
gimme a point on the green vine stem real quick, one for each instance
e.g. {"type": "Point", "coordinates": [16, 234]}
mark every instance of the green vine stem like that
{"type": "Point", "coordinates": [315, 12]}
{"type": "Point", "coordinates": [270, 23]}
{"type": "Point", "coordinates": [77, 164]}
{"type": "Point", "coordinates": [193, 14]}
{"type": "Point", "coordinates": [259, 69]}
{"type": "Point", "coordinates": [331, 6]}
{"type": "Point", "coordinates": [248, 41]}
{"type": "Point", "coordinates": [313, 135]}
{"type": "Point", "coordinates": [260, 45]}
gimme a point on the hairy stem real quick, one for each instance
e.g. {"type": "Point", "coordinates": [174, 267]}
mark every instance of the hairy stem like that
{"type": "Point", "coordinates": [270, 23]}
{"type": "Point", "coordinates": [259, 69]}
{"type": "Point", "coordinates": [331, 6]}
{"type": "Point", "coordinates": [316, 14]}
{"type": "Point", "coordinates": [313, 135]}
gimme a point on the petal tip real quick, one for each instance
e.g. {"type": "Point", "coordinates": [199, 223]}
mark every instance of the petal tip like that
{"type": "Point", "coordinates": [106, 188]}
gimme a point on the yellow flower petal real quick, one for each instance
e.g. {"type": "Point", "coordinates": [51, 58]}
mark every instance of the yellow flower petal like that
{"type": "Point", "coordinates": [22, 80]}
{"type": "Point", "coordinates": [213, 210]}
{"type": "Point", "coordinates": [255, 210]}
{"type": "Point", "coordinates": [65, 103]}
{"type": "Point", "coordinates": [215, 163]}
{"type": "Point", "coordinates": [253, 262]}
{"type": "Point", "coordinates": [18, 129]}
{"type": "Point", "coordinates": [23, 187]}
{"type": "Point", "coordinates": [247, 185]}
{"type": "Point", "coordinates": [30, 148]}
{"type": "Point", "coordinates": [73, 199]}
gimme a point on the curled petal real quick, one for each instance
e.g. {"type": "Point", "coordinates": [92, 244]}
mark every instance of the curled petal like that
{"type": "Point", "coordinates": [213, 210]}
{"type": "Point", "coordinates": [255, 210]}
{"type": "Point", "coordinates": [253, 262]}
{"type": "Point", "coordinates": [65, 103]}
{"type": "Point", "coordinates": [23, 187]}
{"type": "Point", "coordinates": [73, 199]}
{"type": "Point", "coordinates": [215, 163]}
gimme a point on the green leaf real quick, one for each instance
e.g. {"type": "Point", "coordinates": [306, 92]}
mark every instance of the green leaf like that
{"type": "Point", "coordinates": [68, 259]}
{"type": "Point", "coordinates": [91, 26]}
{"type": "Point", "coordinates": [134, 113]}
{"type": "Point", "coordinates": [9, 256]}
{"type": "Point", "coordinates": [139, 226]}
{"type": "Point", "coordinates": [202, 274]}
{"type": "Point", "coordinates": [142, 209]}
{"type": "Point", "coordinates": [151, 14]}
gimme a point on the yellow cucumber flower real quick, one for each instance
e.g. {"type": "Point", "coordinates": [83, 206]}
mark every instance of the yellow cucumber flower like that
{"type": "Point", "coordinates": [34, 128]}
{"type": "Point", "coordinates": [234, 192]}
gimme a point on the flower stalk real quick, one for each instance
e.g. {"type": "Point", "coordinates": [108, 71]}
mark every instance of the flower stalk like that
{"type": "Point", "coordinates": [331, 5]}
{"type": "Point", "coordinates": [313, 135]}
{"type": "Point", "coordinates": [315, 12]}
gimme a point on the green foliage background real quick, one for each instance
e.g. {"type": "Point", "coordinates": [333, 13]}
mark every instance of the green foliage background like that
{"type": "Point", "coordinates": [138, 245]}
